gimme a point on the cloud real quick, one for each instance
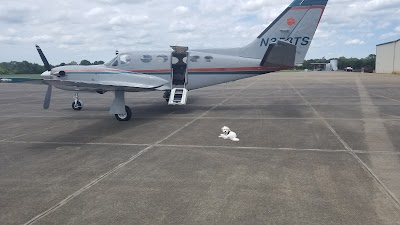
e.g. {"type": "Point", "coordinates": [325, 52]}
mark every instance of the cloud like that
{"type": "Point", "coordinates": [355, 42]}
{"type": "Point", "coordinates": [253, 5]}
{"type": "Point", "coordinates": [181, 10]}
{"type": "Point", "coordinates": [116, 2]}
{"type": "Point", "coordinates": [126, 20]}
{"type": "Point", "coordinates": [389, 35]}
{"type": "Point", "coordinates": [94, 12]}
{"type": "Point", "coordinates": [42, 39]}
{"type": "Point", "coordinates": [15, 13]}
{"type": "Point", "coordinates": [101, 26]}
{"type": "Point", "coordinates": [181, 26]}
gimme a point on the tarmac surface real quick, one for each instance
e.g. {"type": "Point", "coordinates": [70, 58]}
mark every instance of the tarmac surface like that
{"type": "Point", "coordinates": [315, 148]}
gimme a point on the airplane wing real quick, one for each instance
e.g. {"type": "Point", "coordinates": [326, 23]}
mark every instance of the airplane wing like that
{"type": "Point", "coordinates": [281, 54]}
{"type": "Point", "coordinates": [133, 83]}
{"type": "Point", "coordinates": [21, 80]}
{"type": "Point", "coordinates": [106, 85]}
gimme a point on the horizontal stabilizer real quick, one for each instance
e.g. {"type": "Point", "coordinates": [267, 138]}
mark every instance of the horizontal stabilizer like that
{"type": "Point", "coordinates": [279, 54]}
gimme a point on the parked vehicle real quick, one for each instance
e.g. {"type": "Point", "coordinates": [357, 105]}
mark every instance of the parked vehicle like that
{"type": "Point", "coordinates": [348, 69]}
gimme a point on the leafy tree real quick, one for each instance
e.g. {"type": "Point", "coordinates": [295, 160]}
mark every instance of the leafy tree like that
{"type": "Point", "coordinates": [73, 63]}
{"type": "Point", "coordinates": [343, 62]}
{"type": "Point", "coordinates": [98, 62]}
{"type": "Point", "coordinates": [85, 62]}
{"type": "Point", "coordinates": [3, 70]}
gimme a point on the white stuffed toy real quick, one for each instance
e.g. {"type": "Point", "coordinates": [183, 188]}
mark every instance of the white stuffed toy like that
{"type": "Point", "coordinates": [228, 134]}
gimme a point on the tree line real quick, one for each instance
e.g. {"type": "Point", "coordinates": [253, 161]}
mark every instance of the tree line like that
{"type": "Point", "coordinates": [368, 63]}
{"type": "Point", "coordinates": [26, 67]}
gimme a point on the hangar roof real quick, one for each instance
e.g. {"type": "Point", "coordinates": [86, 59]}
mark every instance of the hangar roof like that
{"type": "Point", "coordinates": [388, 42]}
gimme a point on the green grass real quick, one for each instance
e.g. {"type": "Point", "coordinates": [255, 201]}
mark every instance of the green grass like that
{"type": "Point", "coordinates": [21, 75]}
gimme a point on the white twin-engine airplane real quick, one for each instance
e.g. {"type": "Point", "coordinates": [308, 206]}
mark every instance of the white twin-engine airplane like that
{"type": "Point", "coordinates": [281, 45]}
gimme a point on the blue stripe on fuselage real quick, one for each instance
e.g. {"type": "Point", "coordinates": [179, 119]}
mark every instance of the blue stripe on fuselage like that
{"type": "Point", "coordinates": [189, 73]}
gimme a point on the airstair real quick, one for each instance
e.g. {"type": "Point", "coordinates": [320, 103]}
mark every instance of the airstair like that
{"type": "Point", "coordinates": [179, 66]}
{"type": "Point", "coordinates": [178, 96]}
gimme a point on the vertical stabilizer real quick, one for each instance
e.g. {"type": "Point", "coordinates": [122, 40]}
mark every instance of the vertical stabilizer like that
{"type": "Point", "coordinates": [296, 24]}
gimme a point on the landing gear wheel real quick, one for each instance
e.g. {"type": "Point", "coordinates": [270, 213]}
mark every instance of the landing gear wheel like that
{"type": "Point", "coordinates": [77, 105]}
{"type": "Point", "coordinates": [166, 95]}
{"type": "Point", "coordinates": [124, 117]}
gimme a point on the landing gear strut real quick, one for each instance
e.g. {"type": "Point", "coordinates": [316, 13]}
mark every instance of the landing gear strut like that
{"type": "Point", "coordinates": [77, 104]}
{"type": "Point", "coordinates": [118, 107]}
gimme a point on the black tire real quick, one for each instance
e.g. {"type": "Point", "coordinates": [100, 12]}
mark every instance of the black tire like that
{"type": "Point", "coordinates": [125, 117]}
{"type": "Point", "coordinates": [78, 106]}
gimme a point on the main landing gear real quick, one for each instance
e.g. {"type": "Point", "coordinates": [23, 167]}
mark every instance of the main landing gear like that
{"type": "Point", "coordinates": [77, 104]}
{"type": "Point", "coordinates": [126, 116]}
{"type": "Point", "coordinates": [118, 107]}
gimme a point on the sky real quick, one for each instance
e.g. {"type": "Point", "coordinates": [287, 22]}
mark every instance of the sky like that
{"type": "Point", "coordinates": [93, 29]}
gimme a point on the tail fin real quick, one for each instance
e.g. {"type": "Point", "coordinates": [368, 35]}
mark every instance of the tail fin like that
{"type": "Point", "coordinates": [297, 25]}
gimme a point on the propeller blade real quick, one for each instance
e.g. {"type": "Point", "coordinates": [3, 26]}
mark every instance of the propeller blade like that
{"type": "Point", "coordinates": [47, 99]}
{"type": "Point", "coordinates": [45, 62]}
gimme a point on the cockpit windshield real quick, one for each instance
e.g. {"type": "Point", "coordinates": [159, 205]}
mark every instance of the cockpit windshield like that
{"type": "Point", "coordinates": [111, 61]}
{"type": "Point", "coordinates": [122, 59]}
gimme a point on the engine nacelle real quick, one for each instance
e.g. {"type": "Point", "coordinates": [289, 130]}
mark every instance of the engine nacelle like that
{"type": "Point", "coordinates": [60, 73]}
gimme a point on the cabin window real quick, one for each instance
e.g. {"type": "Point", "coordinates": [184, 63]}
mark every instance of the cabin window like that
{"type": "Point", "coordinates": [146, 58]}
{"type": "Point", "coordinates": [208, 58]}
{"type": "Point", "coordinates": [194, 58]}
{"type": "Point", "coordinates": [125, 59]}
{"type": "Point", "coordinates": [162, 58]}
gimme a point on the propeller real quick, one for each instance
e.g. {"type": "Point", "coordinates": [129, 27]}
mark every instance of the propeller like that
{"type": "Point", "coordinates": [46, 103]}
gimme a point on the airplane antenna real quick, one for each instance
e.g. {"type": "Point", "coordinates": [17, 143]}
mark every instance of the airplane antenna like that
{"type": "Point", "coordinates": [116, 52]}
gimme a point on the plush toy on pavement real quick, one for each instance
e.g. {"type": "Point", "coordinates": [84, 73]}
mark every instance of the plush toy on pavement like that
{"type": "Point", "coordinates": [228, 134]}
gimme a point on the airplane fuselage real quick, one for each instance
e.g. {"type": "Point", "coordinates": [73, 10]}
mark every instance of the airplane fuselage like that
{"type": "Point", "coordinates": [203, 69]}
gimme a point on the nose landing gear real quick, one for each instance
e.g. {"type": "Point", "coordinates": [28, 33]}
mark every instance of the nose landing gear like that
{"type": "Point", "coordinates": [77, 104]}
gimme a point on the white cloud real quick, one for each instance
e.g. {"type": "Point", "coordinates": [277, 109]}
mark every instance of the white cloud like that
{"type": "Point", "coordinates": [181, 26]}
{"type": "Point", "coordinates": [253, 5]}
{"type": "Point", "coordinates": [94, 12]}
{"type": "Point", "coordinates": [389, 35]}
{"type": "Point", "coordinates": [126, 20]}
{"type": "Point", "coordinates": [101, 26]}
{"type": "Point", "coordinates": [181, 10]}
{"type": "Point", "coordinates": [355, 42]}
{"type": "Point", "coordinates": [42, 38]}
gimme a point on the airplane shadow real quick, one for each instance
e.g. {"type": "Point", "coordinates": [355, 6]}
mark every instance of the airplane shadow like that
{"type": "Point", "coordinates": [94, 128]}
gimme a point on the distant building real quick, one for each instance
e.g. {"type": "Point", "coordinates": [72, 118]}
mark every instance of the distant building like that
{"type": "Point", "coordinates": [331, 66]}
{"type": "Point", "coordinates": [388, 57]}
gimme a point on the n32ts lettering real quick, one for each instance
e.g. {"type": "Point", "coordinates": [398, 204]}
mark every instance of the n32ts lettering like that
{"type": "Point", "coordinates": [294, 40]}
